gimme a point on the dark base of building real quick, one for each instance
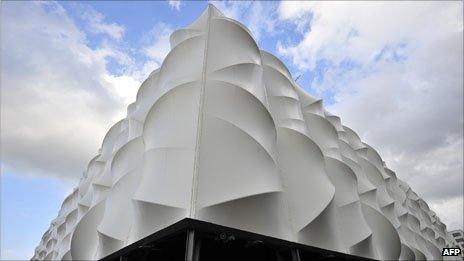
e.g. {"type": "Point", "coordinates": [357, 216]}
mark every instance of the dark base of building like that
{"type": "Point", "coordinates": [194, 240]}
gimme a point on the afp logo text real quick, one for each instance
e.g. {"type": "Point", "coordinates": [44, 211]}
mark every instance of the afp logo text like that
{"type": "Point", "coordinates": [450, 251]}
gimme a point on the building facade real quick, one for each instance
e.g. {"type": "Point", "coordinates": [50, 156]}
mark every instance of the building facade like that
{"type": "Point", "coordinates": [221, 133]}
{"type": "Point", "coordinates": [458, 236]}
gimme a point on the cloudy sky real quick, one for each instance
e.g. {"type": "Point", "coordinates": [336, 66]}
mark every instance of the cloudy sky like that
{"type": "Point", "coordinates": [392, 71]}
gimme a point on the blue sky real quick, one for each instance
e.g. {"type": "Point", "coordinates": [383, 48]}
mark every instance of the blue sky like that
{"type": "Point", "coordinates": [391, 71]}
{"type": "Point", "coordinates": [28, 206]}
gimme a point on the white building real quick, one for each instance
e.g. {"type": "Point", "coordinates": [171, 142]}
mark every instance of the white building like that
{"type": "Point", "coordinates": [222, 133]}
{"type": "Point", "coordinates": [458, 236]}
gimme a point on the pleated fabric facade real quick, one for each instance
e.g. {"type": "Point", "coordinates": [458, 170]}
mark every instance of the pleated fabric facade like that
{"type": "Point", "coordinates": [222, 133]}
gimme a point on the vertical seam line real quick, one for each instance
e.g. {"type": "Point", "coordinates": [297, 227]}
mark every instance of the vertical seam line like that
{"type": "Point", "coordinates": [193, 198]}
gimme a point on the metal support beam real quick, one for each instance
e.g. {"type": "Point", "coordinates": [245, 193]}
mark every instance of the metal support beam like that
{"type": "Point", "coordinates": [192, 246]}
{"type": "Point", "coordinates": [295, 254]}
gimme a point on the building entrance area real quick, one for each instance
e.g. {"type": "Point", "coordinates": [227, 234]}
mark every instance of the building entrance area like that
{"type": "Point", "coordinates": [194, 240]}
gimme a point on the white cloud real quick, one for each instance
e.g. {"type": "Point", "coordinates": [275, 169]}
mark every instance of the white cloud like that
{"type": "Point", "coordinates": [58, 98]}
{"type": "Point", "coordinates": [359, 31]}
{"type": "Point", "coordinates": [124, 87]}
{"type": "Point", "coordinates": [157, 42]}
{"type": "Point", "coordinates": [448, 211]}
{"type": "Point", "coordinates": [294, 9]}
{"type": "Point", "coordinates": [260, 17]}
{"type": "Point", "coordinates": [106, 50]}
{"type": "Point", "coordinates": [98, 26]}
{"type": "Point", "coordinates": [395, 72]}
{"type": "Point", "coordinates": [155, 47]}
{"type": "Point", "coordinates": [141, 73]}
{"type": "Point", "coordinates": [174, 4]}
